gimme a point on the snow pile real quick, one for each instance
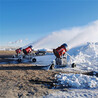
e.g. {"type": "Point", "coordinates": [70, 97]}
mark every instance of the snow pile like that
{"type": "Point", "coordinates": [77, 81]}
{"type": "Point", "coordinates": [86, 57]}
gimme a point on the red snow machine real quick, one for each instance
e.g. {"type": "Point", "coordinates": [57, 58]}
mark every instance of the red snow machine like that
{"type": "Point", "coordinates": [58, 52]}
{"type": "Point", "coordinates": [18, 51]}
{"type": "Point", "coordinates": [61, 56]}
{"type": "Point", "coordinates": [27, 50]}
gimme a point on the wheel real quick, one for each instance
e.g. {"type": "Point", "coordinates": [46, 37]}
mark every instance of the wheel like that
{"type": "Point", "coordinates": [19, 60]}
{"type": "Point", "coordinates": [13, 56]}
{"type": "Point", "coordinates": [73, 65]}
{"type": "Point", "coordinates": [34, 59]}
{"type": "Point", "coordinates": [52, 67]}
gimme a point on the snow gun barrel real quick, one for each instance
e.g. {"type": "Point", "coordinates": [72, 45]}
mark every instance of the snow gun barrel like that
{"type": "Point", "coordinates": [27, 50]}
{"type": "Point", "coordinates": [60, 51]}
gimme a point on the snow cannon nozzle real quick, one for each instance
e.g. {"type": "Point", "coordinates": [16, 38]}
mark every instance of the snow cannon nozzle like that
{"type": "Point", "coordinates": [60, 51]}
{"type": "Point", "coordinates": [27, 50]}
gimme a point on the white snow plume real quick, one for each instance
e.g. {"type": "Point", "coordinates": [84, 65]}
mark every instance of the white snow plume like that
{"type": "Point", "coordinates": [73, 37]}
{"type": "Point", "coordinates": [87, 33]}
{"type": "Point", "coordinates": [16, 42]}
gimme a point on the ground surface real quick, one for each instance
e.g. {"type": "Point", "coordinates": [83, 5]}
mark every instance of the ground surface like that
{"type": "Point", "coordinates": [23, 81]}
{"type": "Point", "coordinates": [20, 80]}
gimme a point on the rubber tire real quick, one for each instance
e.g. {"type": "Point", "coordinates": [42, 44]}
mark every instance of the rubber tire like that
{"type": "Point", "coordinates": [73, 65]}
{"type": "Point", "coordinates": [51, 67]}
{"type": "Point", "coordinates": [13, 56]}
{"type": "Point", "coordinates": [34, 59]}
{"type": "Point", "coordinates": [19, 60]}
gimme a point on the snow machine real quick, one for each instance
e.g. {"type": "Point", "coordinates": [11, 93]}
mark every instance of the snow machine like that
{"type": "Point", "coordinates": [27, 50]}
{"type": "Point", "coordinates": [18, 52]}
{"type": "Point", "coordinates": [26, 54]}
{"type": "Point", "coordinates": [61, 56]}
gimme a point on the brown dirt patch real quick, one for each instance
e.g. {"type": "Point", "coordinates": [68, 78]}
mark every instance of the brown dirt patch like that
{"type": "Point", "coordinates": [7, 53]}
{"type": "Point", "coordinates": [25, 82]}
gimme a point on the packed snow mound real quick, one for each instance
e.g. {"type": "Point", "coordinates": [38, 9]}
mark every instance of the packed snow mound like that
{"type": "Point", "coordinates": [87, 57]}
{"type": "Point", "coordinates": [77, 81]}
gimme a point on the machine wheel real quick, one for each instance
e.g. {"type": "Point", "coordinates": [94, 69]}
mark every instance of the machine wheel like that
{"type": "Point", "coordinates": [73, 65]}
{"type": "Point", "coordinates": [13, 56]}
{"type": "Point", "coordinates": [52, 67]}
{"type": "Point", "coordinates": [34, 59]}
{"type": "Point", "coordinates": [19, 60]}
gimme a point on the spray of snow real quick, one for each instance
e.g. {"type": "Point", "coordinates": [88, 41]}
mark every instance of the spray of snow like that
{"type": "Point", "coordinates": [73, 37]}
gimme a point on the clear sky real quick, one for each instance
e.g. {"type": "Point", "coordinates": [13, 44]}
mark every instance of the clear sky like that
{"type": "Point", "coordinates": [25, 21]}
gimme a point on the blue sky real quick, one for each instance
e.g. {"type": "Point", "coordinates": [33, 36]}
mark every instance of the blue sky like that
{"type": "Point", "coordinates": [25, 21]}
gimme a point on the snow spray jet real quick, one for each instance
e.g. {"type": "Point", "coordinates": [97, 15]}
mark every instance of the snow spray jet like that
{"type": "Point", "coordinates": [87, 34]}
{"type": "Point", "coordinates": [32, 44]}
{"type": "Point", "coordinates": [56, 38]}
{"type": "Point", "coordinates": [73, 37]}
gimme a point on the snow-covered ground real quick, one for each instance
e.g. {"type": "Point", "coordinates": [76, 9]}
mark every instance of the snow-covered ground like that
{"type": "Point", "coordinates": [75, 93]}
{"type": "Point", "coordinates": [44, 60]}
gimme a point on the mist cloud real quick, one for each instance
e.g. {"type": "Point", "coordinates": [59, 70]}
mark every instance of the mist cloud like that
{"type": "Point", "coordinates": [73, 37]}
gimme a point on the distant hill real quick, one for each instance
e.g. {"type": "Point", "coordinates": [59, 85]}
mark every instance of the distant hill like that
{"type": "Point", "coordinates": [8, 48]}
